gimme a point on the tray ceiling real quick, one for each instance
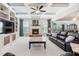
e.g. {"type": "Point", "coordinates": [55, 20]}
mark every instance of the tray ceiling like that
{"type": "Point", "coordinates": [50, 8]}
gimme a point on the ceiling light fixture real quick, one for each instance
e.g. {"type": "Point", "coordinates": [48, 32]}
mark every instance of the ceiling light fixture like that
{"type": "Point", "coordinates": [74, 19]}
{"type": "Point", "coordinates": [37, 11]}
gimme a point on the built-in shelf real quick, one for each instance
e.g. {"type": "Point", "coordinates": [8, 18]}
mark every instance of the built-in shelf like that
{"type": "Point", "coordinates": [7, 17]}
{"type": "Point", "coordinates": [4, 12]}
{"type": "Point", "coordinates": [16, 24]}
{"type": "Point", "coordinates": [3, 18]}
{"type": "Point", "coordinates": [12, 16]}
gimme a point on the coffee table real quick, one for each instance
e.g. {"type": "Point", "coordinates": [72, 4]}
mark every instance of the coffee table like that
{"type": "Point", "coordinates": [36, 40]}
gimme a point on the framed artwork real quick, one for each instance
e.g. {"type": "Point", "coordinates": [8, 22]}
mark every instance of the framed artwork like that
{"type": "Point", "coordinates": [35, 22]}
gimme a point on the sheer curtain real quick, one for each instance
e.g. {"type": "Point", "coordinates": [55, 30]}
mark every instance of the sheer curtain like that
{"type": "Point", "coordinates": [25, 27]}
{"type": "Point", "coordinates": [45, 27]}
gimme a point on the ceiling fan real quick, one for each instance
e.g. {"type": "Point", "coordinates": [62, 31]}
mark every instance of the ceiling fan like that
{"type": "Point", "coordinates": [37, 9]}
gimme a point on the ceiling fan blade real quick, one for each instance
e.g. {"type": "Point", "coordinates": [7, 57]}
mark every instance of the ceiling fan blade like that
{"type": "Point", "coordinates": [33, 8]}
{"type": "Point", "coordinates": [33, 12]}
{"type": "Point", "coordinates": [42, 11]}
{"type": "Point", "coordinates": [41, 7]}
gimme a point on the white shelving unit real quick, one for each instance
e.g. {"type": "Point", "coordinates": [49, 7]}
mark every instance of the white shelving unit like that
{"type": "Point", "coordinates": [4, 12]}
{"type": "Point", "coordinates": [12, 15]}
{"type": "Point", "coordinates": [16, 24]}
{"type": "Point", "coordinates": [7, 14]}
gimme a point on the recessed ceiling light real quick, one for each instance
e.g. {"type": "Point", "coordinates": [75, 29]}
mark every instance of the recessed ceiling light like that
{"type": "Point", "coordinates": [74, 19]}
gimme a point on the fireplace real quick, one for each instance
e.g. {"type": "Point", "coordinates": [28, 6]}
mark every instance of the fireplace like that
{"type": "Point", "coordinates": [35, 31]}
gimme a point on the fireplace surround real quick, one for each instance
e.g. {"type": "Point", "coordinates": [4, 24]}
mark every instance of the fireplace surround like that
{"type": "Point", "coordinates": [35, 31]}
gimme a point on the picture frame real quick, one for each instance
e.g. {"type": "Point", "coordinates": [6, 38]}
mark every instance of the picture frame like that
{"type": "Point", "coordinates": [35, 22]}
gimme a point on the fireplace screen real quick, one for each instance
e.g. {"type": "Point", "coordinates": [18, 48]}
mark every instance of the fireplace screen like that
{"type": "Point", "coordinates": [35, 31]}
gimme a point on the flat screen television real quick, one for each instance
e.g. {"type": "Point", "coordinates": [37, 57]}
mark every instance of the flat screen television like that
{"type": "Point", "coordinates": [1, 27]}
{"type": "Point", "coordinates": [6, 26]}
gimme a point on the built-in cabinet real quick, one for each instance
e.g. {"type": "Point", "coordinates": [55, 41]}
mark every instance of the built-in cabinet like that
{"type": "Point", "coordinates": [9, 38]}
{"type": "Point", "coordinates": [6, 39]}
{"type": "Point", "coordinates": [7, 17]}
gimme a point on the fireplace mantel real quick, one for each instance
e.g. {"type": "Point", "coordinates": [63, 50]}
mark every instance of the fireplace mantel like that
{"type": "Point", "coordinates": [39, 35]}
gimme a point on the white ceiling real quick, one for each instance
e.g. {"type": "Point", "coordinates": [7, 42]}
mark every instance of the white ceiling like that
{"type": "Point", "coordinates": [51, 9]}
{"type": "Point", "coordinates": [70, 16]}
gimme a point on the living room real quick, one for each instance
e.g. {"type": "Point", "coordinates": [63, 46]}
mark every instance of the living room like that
{"type": "Point", "coordinates": [39, 29]}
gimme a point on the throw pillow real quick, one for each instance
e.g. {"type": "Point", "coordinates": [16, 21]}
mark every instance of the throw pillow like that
{"type": "Point", "coordinates": [69, 39]}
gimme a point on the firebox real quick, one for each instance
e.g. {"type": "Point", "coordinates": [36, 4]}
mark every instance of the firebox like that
{"type": "Point", "coordinates": [35, 31]}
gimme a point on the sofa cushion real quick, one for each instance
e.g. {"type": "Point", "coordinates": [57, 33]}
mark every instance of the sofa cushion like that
{"type": "Point", "coordinates": [58, 33]}
{"type": "Point", "coordinates": [76, 36]}
{"type": "Point", "coordinates": [63, 33]}
{"type": "Point", "coordinates": [70, 34]}
{"type": "Point", "coordinates": [54, 34]}
{"type": "Point", "coordinates": [69, 39]}
{"type": "Point", "coordinates": [62, 37]}
{"type": "Point", "coordinates": [49, 34]}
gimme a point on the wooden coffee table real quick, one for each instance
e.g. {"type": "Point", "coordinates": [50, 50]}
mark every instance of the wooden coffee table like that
{"type": "Point", "coordinates": [37, 41]}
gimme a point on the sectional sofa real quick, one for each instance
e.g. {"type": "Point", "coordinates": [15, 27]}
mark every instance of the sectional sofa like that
{"type": "Point", "coordinates": [62, 39]}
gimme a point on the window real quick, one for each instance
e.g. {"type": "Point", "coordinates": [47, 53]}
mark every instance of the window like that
{"type": "Point", "coordinates": [25, 26]}
{"type": "Point", "coordinates": [45, 27]}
